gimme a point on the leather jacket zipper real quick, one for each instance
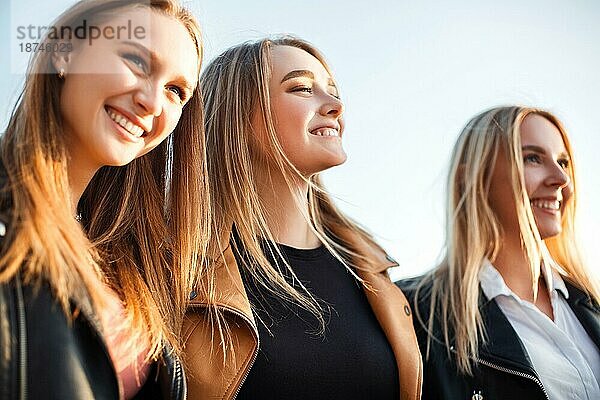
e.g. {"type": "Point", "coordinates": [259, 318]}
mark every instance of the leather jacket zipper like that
{"type": "Point", "coordinates": [22, 382]}
{"type": "Point", "coordinates": [254, 333]}
{"type": "Point", "coordinates": [178, 376]}
{"type": "Point", "coordinates": [255, 353]}
{"type": "Point", "coordinates": [514, 372]}
{"type": "Point", "coordinates": [510, 371]}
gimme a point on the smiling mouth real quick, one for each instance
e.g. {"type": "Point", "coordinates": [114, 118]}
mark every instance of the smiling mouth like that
{"type": "Point", "coordinates": [326, 132]}
{"type": "Point", "coordinates": [552, 206]}
{"type": "Point", "coordinates": [135, 130]}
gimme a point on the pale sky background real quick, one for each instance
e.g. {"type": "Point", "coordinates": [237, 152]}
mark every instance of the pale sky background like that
{"type": "Point", "coordinates": [411, 74]}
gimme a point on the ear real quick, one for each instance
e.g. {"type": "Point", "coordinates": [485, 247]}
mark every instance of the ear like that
{"type": "Point", "coordinates": [61, 60]}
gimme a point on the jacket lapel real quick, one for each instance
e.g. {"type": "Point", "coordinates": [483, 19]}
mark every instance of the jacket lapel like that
{"type": "Point", "coordinates": [586, 312]}
{"type": "Point", "coordinates": [389, 306]}
{"type": "Point", "coordinates": [503, 344]}
{"type": "Point", "coordinates": [228, 287]}
{"type": "Point", "coordinates": [219, 363]}
{"type": "Point", "coordinates": [212, 377]}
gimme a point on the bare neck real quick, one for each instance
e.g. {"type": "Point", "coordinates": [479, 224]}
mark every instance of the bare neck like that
{"type": "Point", "coordinates": [513, 265]}
{"type": "Point", "coordinates": [287, 211]}
{"type": "Point", "coordinates": [80, 175]}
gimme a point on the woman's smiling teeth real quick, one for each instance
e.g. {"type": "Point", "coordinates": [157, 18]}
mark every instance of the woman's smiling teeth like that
{"type": "Point", "coordinates": [125, 123]}
{"type": "Point", "coordinates": [326, 132]}
{"type": "Point", "coordinates": [546, 204]}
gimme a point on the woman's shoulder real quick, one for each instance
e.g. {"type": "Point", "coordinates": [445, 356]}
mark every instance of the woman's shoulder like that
{"type": "Point", "coordinates": [416, 286]}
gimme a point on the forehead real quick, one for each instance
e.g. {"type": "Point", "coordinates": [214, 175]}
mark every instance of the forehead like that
{"type": "Point", "coordinates": [539, 131]}
{"type": "Point", "coordinates": [163, 35]}
{"type": "Point", "coordinates": [288, 58]}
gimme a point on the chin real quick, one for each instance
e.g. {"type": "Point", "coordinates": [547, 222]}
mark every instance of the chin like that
{"type": "Point", "coordinates": [321, 165]}
{"type": "Point", "coordinates": [118, 161]}
{"type": "Point", "coordinates": [332, 163]}
{"type": "Point", "coordinates": [339, 159]}
{"type": "Point", "coordinates": [549, 232]}
{"type": "Point", "coordinates": [339, 162]}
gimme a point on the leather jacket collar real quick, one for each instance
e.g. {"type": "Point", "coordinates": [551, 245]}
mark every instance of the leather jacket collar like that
{"type": "Point", "coordinates": [503, 370]}
{"type": "Point", "coordinates": [503, 342]}
{"type": "Point", "coordinates": [214, 374]}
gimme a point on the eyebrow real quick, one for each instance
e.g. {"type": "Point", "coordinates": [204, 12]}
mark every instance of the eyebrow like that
{"type": "Point", "coordinates": [540, 150]}
{"type": "Point", "coordinates": [154, 58]}
{"type": "Point", "coordinates": [304, 73]}
{"type": "Point", "coordinates": [532, 147]}
{"type": "Point", "coordinates": [299, 73]}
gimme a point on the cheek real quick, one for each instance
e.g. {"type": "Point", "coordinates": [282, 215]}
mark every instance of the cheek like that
{"type": "Point", "coordinates": [170, 119]}
{"type": "Point", "coordinates": [164, 125]}
{"type": "Point", "coordinates": [567, 192]}
{"type": "Point", "coordinates": [291, 118]}
{"type": "Point", "coordinates": [77, 104]}
{"type": "Point", "coordinates": [532, 180]}
{"type": "Point", "coordinates": [500, 195]}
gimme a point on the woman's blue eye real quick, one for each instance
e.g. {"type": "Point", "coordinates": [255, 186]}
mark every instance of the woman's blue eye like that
{"type": "Point", "coordinates": [532, 158]}
{"type": "Point", "coordinates": [178, 91]}
{"type": "Point", "coordinates": [137, 61]}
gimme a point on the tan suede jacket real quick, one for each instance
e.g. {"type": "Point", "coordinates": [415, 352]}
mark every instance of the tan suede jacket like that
{"type": "Point", "coordinates": [213, 376]}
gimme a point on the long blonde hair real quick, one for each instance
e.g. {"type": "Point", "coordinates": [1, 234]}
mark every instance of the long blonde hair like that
{"type": "Point", "coordinates": [473, 232]}
{"type": "Point", "coordinates": [143, 225]}
{"type": "Point", "coordinates": [235, 88]}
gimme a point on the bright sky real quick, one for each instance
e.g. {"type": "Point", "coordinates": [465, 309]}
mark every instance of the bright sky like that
{"type": "Point", "coordinates": [411, 75]}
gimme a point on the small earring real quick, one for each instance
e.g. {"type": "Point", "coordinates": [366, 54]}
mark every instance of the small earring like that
{"type": "Point", "coordinates": [61, 73]}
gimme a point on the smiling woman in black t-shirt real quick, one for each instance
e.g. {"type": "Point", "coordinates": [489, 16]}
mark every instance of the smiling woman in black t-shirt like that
{"type": "Point", "coordinates": [306, 308]}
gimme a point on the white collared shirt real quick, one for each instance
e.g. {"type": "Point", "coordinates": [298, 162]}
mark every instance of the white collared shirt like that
{"type": "Point", "coordinates": [565, 358]}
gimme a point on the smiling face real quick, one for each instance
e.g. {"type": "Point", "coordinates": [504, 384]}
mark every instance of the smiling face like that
{"type": "Point", "coordinates": [546, 175]}
{"type": "Point", "coordinates": [306, 109]}
{"type": "Point", "coordinates": [122, 97]}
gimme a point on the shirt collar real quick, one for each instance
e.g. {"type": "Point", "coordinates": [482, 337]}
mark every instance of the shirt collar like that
{"type": "Point", "coordinates": [558, 283]}
{"type": "Point", "coordinates": [493, 284]}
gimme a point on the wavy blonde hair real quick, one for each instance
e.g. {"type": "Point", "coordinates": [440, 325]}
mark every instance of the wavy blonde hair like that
{"type": "Point", "coordinates": [235, 88]}
{"type": "Point", "coordinates": [143, 225]}
{"type": "Point", "coordinates": [473, 232]}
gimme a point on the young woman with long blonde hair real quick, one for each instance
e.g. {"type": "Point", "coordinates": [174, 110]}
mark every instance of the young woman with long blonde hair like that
{"type": "Point", "coordinates": [305, 308]}
{"type": "Point", "coordinates": [512, 312]}
{"type": "Point", "coordinates": [101, 193]}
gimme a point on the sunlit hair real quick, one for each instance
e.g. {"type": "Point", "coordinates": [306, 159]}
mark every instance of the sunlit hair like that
{"type": "Point", "coordinates": [235, 88]}
{"type": "Point", "coordinates": [473, 232]}
{"type": "Point", "coordinates": [143, 223]}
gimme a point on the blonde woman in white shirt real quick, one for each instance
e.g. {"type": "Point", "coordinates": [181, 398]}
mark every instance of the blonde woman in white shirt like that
{"type": "Point", "coordinates": [512, 312]}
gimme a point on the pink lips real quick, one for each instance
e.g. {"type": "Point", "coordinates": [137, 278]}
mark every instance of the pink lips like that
{"type": "Point", "coordinates": [133, 118]}
{"type": "Point", "coordinates": [550, 205]}
{"type": "Point", "coordinates": [327, 126]}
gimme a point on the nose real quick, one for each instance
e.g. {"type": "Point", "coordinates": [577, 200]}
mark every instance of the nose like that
{"type": "Point", "coordinates": [559, 177]}
{"type": "Point", "coordinates": [149, 99]}
{"type": "Point", "coordinates": [332, 106]}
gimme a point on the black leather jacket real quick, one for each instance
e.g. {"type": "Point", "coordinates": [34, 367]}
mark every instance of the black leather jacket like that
{"type": "Point", "coordinates": [43, 356]}
{"type": "Point", "coordinates": [503, 370]}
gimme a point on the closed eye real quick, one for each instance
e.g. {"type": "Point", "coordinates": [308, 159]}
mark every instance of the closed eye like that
{"type": "Point", "coordinates": [305, 89]}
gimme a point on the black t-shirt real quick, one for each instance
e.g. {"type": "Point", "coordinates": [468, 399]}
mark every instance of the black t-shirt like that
{"type": "Point", "coordinates": [352, 360]}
